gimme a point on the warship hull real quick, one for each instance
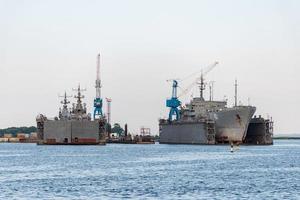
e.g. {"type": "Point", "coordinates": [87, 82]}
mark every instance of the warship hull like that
{"type": "Point", "coordinates": [232, 123]}
{"type": "Point", "coordinates": [228, 125]}
{"type": "Point", "coordinates": [71, 132]}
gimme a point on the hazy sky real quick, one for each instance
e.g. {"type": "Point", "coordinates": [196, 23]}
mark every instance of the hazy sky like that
{"type": "Point", "coordinates": [47, 47]}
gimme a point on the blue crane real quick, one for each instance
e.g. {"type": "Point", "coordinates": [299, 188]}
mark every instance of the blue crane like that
{"type": "Point", "coordinates": [174, 103]}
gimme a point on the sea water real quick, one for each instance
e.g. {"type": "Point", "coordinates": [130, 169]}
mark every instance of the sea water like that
{"type": "Point", "coordinates": [153, 171]}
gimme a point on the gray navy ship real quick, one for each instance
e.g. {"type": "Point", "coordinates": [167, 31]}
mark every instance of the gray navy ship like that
{"type": "Point", "coordinates": [73, 126]}
{"type": "Point", "coordinates": [204, 122]}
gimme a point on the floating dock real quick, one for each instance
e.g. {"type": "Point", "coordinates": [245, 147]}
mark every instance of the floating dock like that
{"type": "Point", "coordinates": [260, 131]}
{"type": "Point", "coordinates": [187, 132]}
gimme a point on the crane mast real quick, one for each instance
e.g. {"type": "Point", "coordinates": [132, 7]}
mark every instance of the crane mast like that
{"type": "Point", "coordinates": [98, 102]}
{"type": "Point", "coordinates": [98, 81]}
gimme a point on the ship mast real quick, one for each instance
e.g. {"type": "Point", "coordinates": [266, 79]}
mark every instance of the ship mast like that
{"type": "Point", "coordinates": [201, 87]}
{"type": "Point", "coordinates": [79, 108]}
{"type": "Point", "coordinates": [201, 83]}
{"type": "Point", "coordinates": [235, 93]}
{"type": "Point", "coordinates": [65, 102]}
{"type": "Point", "coordinates": [64, 113]}
{"type": "Point", "coordinates": [211, 90]}
{"type": "Point", "coordinates": [108, 100]}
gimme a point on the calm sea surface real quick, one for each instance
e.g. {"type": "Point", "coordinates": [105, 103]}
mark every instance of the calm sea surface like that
{"type": "Point", "coordinates": [115, 171]}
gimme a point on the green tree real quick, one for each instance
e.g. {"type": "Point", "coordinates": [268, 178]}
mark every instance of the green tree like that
{"type": "Point", "coordinates": [117, 129]}
{"type": "Point", "coordinates": [15, 130]}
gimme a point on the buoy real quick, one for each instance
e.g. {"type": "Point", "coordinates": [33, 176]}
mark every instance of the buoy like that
{"type": "Point", "coordinates": [231, 147]}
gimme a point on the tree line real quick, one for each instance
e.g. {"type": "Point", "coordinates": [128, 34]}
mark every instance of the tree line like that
{"type": "Point", "coordinates": [15, 130]}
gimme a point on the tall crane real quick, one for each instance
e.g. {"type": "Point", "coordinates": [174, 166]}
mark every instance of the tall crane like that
{"type": "Point", "coordinates": [200, 81]}
{"type": "Point", "coordinates": [98, 100]}
{"type": "Point", "coordinates": [173, 103]}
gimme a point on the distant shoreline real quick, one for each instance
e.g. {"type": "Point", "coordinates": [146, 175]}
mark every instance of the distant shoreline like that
{"type": "Point", "coordinates": [286, 138]}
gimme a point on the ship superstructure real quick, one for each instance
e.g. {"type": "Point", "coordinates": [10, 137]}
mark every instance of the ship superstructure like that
{"type": "Point", "coordinates": [79, 110]}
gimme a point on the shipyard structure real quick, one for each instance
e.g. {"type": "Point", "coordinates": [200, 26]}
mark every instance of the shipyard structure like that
{"type": "Point", "coordinates": [212, 122]}
{"type": "Point", "coordinates": [74, 125]}
{"type": "Point", "coordinates": [260, 131]}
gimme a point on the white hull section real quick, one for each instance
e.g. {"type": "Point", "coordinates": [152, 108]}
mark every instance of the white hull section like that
{"type": "Point", "coordinates": [232, 123]}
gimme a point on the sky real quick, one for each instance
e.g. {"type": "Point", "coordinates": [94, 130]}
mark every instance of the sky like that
{"type": "Point", "coordinates": [48, 47]}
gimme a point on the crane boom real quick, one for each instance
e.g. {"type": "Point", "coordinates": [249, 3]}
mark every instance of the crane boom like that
{"type": "Point", "coordinates": [200, 79]}
{"type": "Point", "coordinates": [209, 68]}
